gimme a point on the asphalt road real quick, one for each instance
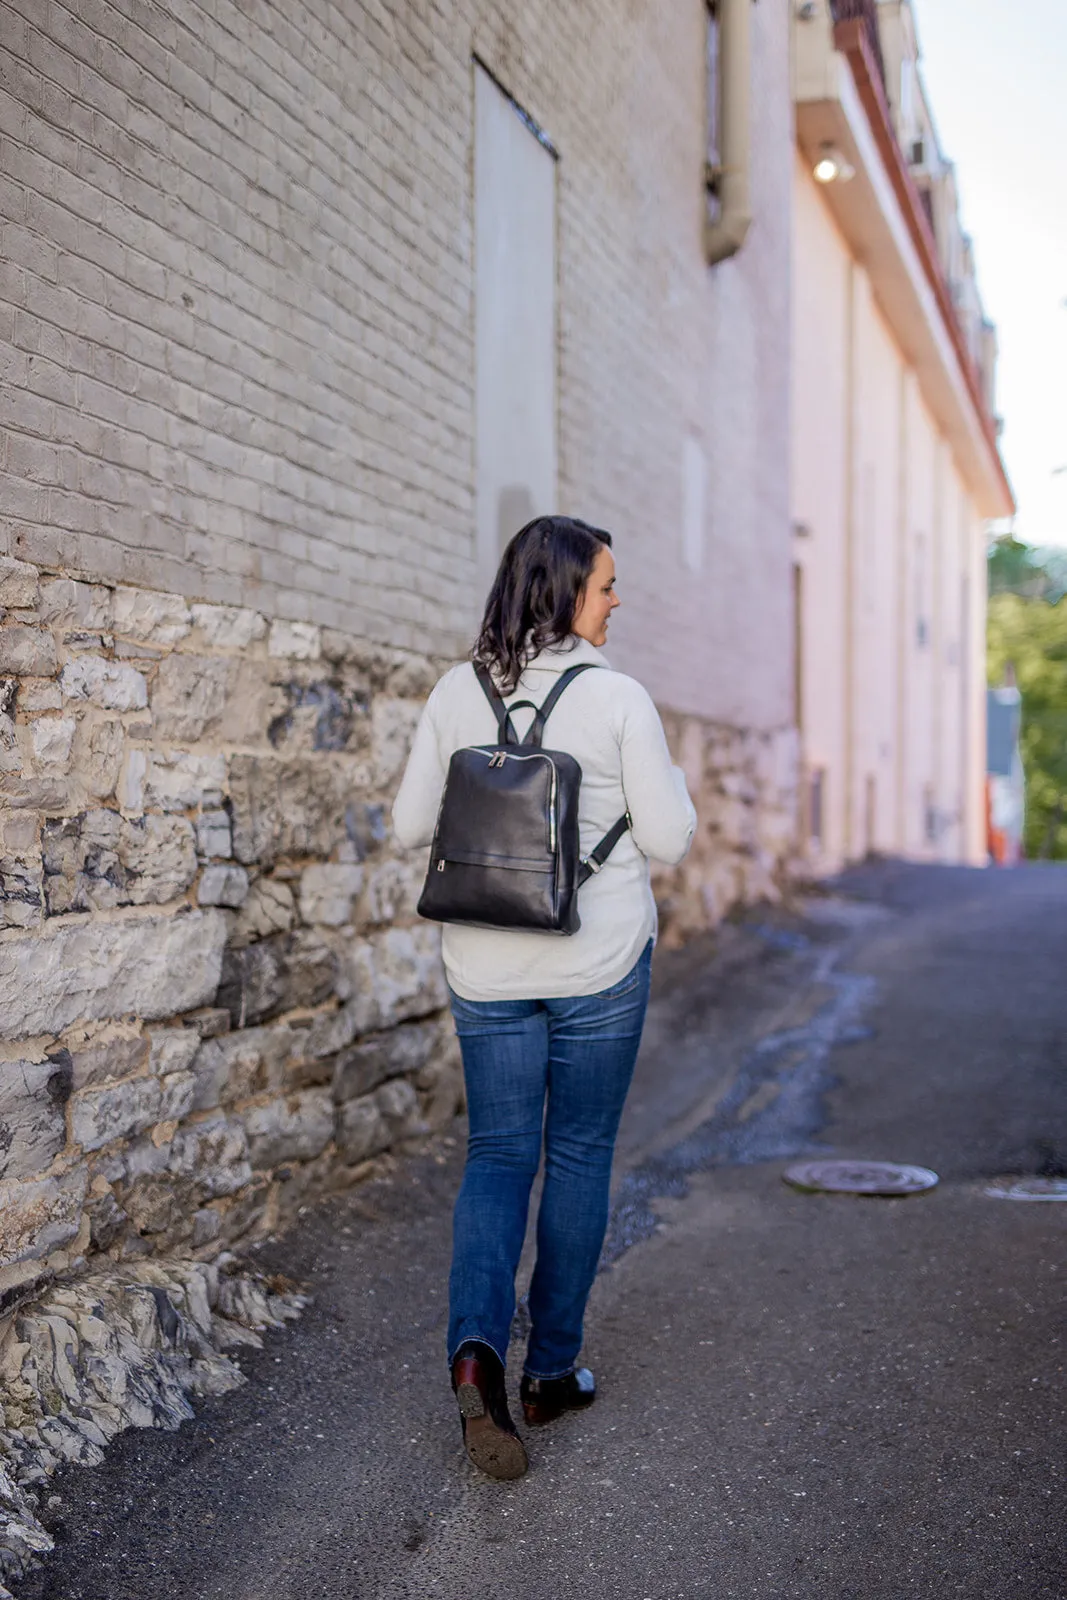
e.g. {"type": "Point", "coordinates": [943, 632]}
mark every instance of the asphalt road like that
{"type": "Point", "coordinates": [802, 1395]}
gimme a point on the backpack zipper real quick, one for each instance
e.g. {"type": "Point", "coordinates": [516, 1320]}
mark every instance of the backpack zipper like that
{"type": "Point", "coordinates": [498, 758]}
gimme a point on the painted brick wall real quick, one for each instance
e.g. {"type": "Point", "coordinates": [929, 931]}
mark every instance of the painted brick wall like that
{"type": "Point", "coordinates": [236, 311]}
{"type": "Point", "coordinates": [236, 306]}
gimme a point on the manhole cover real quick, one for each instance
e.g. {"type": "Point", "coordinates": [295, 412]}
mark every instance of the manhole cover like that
{"type": "Point", "coordinates": [1028, 1189]}
{"type": "Point", "coordinates": [859, 1177]}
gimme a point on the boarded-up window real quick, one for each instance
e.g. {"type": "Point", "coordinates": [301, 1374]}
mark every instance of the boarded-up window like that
{"type": "Point", "coordinates": [515, 319]}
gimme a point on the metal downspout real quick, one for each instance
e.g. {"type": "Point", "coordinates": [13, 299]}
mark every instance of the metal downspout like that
{"type": "Point", "coordinates": [726, 234]}
{"type": "Point", "coordinates": [849, 685]}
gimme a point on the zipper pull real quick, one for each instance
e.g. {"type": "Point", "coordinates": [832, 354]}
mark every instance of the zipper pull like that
{"type": "Point", "coordinates": [440, 866]}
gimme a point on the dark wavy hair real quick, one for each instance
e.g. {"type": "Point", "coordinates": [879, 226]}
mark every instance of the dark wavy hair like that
{"type": "Point", "coordinates": [534, 595]}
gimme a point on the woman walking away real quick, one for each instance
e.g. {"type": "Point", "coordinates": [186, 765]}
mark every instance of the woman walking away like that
{"type": "Point", "coordinates": [547, 946]}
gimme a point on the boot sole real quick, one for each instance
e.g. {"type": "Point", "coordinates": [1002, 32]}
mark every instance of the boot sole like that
{"type": "Point", "coordinates": [494, 1451]}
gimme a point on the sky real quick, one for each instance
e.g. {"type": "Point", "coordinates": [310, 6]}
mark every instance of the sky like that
{"type": "Point", "coordinates": [996, 78]}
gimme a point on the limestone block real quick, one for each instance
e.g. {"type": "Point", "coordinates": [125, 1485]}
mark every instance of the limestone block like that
{"type": "Point", "coordinates": [301, 640]}
{"type": "Point", "coordinates": [287, 808]}
{"type": "Point", "coordinates": [214, 1154]}
{"type": "Point", "coordinates": [19, 585]}
{"type": "Point", "coordinates": [396, 974]}
{"type": "Point", "coordinates": [223, 885]}
{"type": "Point", "coordinates": [239, 1065]}
{"type": "Point", "coordinates": [10, 754]}
{"type": "Point", "coordinates": [46, 793]}
{"type": "Point", "coordinates": [178, 780]}
{"type": "Point", "coordinates": [361, 1129]}
{"type": "Point", "coordinates": [108, 1058]}
{"type": "Point", "coordinates": [160, 1208]}
{"type": "Point", "coordinates": [32, 1118]}
{"type": "Point", "coordinates": [213, 836]}
{"type": "Point", "coordinates": [370, 1062]}
{"type": "Point", "coordinates": [332, 1031]}
{"type": "Point", "coordinates": [153, 967]}
{"type": "Point", "coordinates": [18, 833]}
{"type": "Point", "coordinates": [410, 677]}
{"type": "Point", "coordinates": [149, 616]}
{"type": "Point", "coordinates": [296, 1128]}
{"type": "Point", "coordinates": [366, 828]}
{"type": "Point", "coordinates": [40, 1216]}
{"type": "Point", "coordinates": [107, 1220]}
{"type": "Point", "coordinates": [172, 1049]}
{"type": "Point", "coordinates": [440, 1086]}
{"type": "Point", "coordinates": [315, 713]}
{"type": "Point", "coordinates": [109, 684]}
{"type": "Point", "coordinates": [99, 860]}
{"type": "Point", "coordinates": [81, 862]}
{"type": "Point", "coordinates": [394, 722]}
{"type": "Point", "coordinates": [270, 908]}
{"type": "Point", "coordinates": [399, 1106]}
{"type": "Point", "coordinates": [52, 739]}
{"type": "Point", "coordinates": [81, 642]}
{"type": "Point", "coordinates": [27, 651]}
{"type": "Point", "coordinates": [177, 1096]}
{"type": "Point", "coordinates": [40, 694]}
{"type": "Point", "coordinates": [115, 1111]}
{"type": "Point", "coordinates": [207, 1225]}
{"type": "Point", "coordinates": [278, 974]}
{"type": "Point", "coordinates": [252, 980]}
{"type": "Point", "coordinates": [218, 697]}
{"type": "Point", "coordinates": [21, 883]}
{"type": "Point", "coordinates": [740, 786]}
{"type": "Point", "coordinates": [70, 604]}
{"type": "Point", "coordinates": [142, 1158]}
{"type": "Point", "coordinates": [103, 759]}
{"type": "Point", "coordinates": [190, 693]}
{"type": "Point", "coordinates": [209, 1021]}
{"type": "Point", "coordinates": [393, 889]}
{"type": "Point", "coordinates": [327, 893]}
{"type": "Point", "coordinates": [228, 627]}
{"type": "Point", "coordinates": [129, 791]}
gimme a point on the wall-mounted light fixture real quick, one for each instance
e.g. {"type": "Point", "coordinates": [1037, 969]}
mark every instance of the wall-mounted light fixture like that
{"type": "Point", "coordinates": [831, 166]}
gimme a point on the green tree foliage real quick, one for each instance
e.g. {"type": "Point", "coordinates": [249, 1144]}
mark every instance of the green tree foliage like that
{"type": "Point", "coordinates": [1031, 634]}
{"type": "Point", "coordinates": [1017, 568]}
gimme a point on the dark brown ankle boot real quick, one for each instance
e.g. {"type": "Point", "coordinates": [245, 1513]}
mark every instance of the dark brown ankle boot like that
{"type": "Point", "coordinates": [488, 1431]}
{"type": "Point", "coordinates": [545, 1399]}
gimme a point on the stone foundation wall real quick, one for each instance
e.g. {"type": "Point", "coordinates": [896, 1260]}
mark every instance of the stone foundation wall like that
{"type": "Point", "coordinates": [744, 786]}
{"type": "Point", "coordinates": [216, 1001]}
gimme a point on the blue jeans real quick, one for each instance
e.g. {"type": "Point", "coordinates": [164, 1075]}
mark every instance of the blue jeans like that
{"type": "Point", "coordinates": [558, 1069]}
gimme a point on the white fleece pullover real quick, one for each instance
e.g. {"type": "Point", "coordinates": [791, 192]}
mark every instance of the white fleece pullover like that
{"type": "Point", "coordinates": [608, 722]}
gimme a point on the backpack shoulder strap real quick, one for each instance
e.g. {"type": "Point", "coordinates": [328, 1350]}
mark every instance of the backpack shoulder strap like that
{"type": "Point", "coordinates": [502, 713]}
{"type": "Point", "coordinates": [504, 724]}
{"type": "Point", "coordinates": [535, 732]}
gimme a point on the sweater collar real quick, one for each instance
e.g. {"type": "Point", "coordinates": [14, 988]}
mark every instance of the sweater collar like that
{"type": "Point", "coordinates": [572, 652]}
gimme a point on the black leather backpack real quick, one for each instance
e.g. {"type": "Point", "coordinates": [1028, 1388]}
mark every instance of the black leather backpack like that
{"type": "Point", "coordinates": [505, 849]}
